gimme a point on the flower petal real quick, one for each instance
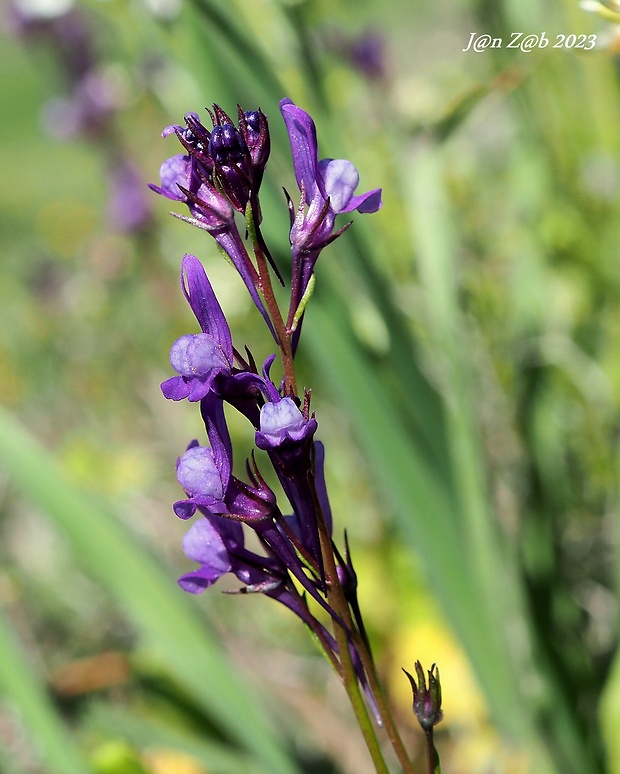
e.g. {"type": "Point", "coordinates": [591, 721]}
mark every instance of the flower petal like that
{"type": "Point", "coordinates": [365, 203]}
{"type": "Point", "coordinates": [203, 543]}
{"type": "Point", "coordinates": [280, 421]}
{"type": "Point", "coordinates": [173, 172]}
{"type": "Point", "coordinates": [204, 304]}
{"type": "Point", "coordinates": [197, 354]}
{"type": "Point", "coordinates": [198, 581]}
{"type": "Point", "coordinates": [338, 179]}
{"type": "Point", "coordinates": [304, 145]}
{"type": "Point", "coordinates": [175, 388]}
{"type": "Point", "coordinates": [198, 474]}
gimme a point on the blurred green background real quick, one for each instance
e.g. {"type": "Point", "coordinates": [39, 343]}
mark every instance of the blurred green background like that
{"type": "Point", "coordinates": [462, 348]}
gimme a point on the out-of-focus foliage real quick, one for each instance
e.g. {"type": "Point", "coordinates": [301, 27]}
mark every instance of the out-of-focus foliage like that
{"type": "Point", "coordinates": [462, 348]}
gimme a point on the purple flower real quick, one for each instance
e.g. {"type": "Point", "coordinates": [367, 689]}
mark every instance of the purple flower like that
{"type": "Point", "coordinates": [367, 52]}
{"type": "Point", "coordinates": [129, 209]}
{"type": "Point", "coordinates": [282, 422]}
{"type": "Point", "coordinates": [187, 178]}
{"type": "Point", "coordinates": [208, 542]}
{"type": "Point", "coordinates": [211, 187]}
{"type": "Point", "coordinates": [205, 475]}
{"type": "Point", "coordinates": [286, 434]}
{"type": "Point", "coordinates": [327, 189]}
{"type": "Point", "coordinates": [199, 358]}
{"type": "Point", "coordinates": [198, 475]}
{"type": "Point", "coordinates": [217, 544]}
{"type": "Point", "coordinates": [327, 186]}
{"type": "Point", "coordinates": [203, 481]}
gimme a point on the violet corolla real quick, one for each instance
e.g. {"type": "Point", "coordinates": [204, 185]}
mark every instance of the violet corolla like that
{"type": "Point", "coordinates": [199, 358]}
{"type": "Point", "coordinates": [327, 188]}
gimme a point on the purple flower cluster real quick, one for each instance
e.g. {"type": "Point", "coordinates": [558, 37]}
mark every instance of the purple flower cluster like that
{"type": "Point", "coordinates": [218, 175]}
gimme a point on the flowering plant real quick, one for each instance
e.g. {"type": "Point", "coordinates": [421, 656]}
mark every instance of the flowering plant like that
{"type": "Point", "coordinates": [219, 175]}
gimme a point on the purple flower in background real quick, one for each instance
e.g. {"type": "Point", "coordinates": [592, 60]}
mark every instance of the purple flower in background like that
{"type": "Point", "coordinates": [367, 52]}
{"type": "Point", "coordinates": [129, 209]}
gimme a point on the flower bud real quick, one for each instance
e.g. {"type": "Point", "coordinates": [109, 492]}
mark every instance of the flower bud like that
{"type": "Point", "coordinates": [426, 699]}
{"type": "Point", "coordinates": [254, 129]}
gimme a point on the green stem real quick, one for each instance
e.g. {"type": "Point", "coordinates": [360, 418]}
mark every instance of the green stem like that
{"type": "Point", "coordinates": [349, 680]}
{"type": "Point", "coordinates": [434, 766]}
{"type": "Point", "coordinates": [384, 710]}
{"type": "Point", "coordinates": [337, 601]}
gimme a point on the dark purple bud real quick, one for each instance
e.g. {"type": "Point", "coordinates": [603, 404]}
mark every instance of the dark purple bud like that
{"type": "Point", "coordinates": [346, 573]}
{"type": "Point", "coordinates": [254, 129]}
{"type": "Point", "coordinates": [230, 158]}
{"type": "Point", "coordinates": [426, 699]}
{"type": "Point", "coordinates": [226, 145]}
{"type": "Point", "coordinates": [194, 134]}
{"type": "Point", "coordinates": [252, 119]}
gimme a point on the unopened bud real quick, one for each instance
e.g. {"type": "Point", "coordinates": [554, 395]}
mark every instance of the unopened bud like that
{"type": "Point", "coordinates": [426, 699]}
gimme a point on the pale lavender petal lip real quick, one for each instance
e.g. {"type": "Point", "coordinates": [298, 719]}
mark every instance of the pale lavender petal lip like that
{"type": "Point", "coordinates": [195, 354]}
{"type": "Point", "coordinates": [281, 420]}
{"type": "Point", "coordinates": [174, 170]}
{"type": "Point", "coordinates": [203, 543]}
{"type": "Point", "coordinates": [198, 474]}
